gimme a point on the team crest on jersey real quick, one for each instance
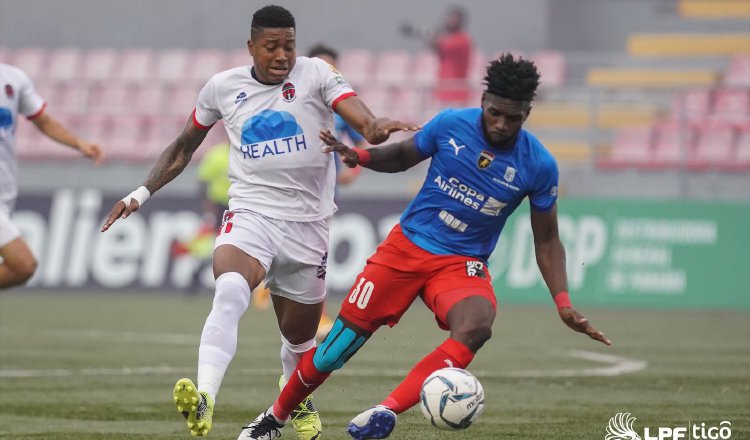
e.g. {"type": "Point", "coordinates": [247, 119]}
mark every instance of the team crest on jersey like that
{"type": "Point", "coordinates": [510, 174]}
{"type": "Point", "coordinates": [288, 92]}
{"type": "Point", "coordinates": [9, 91]}
{"type": "Point", "coordinates": [485, 159]}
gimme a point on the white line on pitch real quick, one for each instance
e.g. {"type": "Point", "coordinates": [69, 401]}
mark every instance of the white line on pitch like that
{"type": "Point", "coordinates": [615, 366]}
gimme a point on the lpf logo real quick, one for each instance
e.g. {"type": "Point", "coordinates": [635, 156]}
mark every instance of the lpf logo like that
{"type": "Point", "coordinates": [620, 427]}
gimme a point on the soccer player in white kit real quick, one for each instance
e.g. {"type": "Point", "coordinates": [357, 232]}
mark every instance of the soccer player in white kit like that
{"type": "Point", "coordinates": [18, 97]}
{"type": "Point", "coordinates": [281, 198]}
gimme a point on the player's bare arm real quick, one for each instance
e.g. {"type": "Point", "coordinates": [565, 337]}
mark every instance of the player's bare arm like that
{"type": "Point", "coordinates": [58, 132]}
{"type": "Point", "coordinates": [170, 164]}
{"type": "Point", "coordinates": [375, 130]}
{"type": "Point", "coordinates": [391, 158]}
{"type": "Point", "coordinates": [550, 257]}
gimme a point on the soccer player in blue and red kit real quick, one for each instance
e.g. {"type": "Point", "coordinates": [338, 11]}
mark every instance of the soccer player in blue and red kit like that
{"type": "Point", "coordinates": [483, 166]}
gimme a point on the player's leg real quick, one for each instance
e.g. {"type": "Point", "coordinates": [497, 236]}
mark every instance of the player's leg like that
{"type": "Point", "coordinates": [17, 262]}
{"type": "Point", "coordinates": [236, 273]}
{"type": "Point", "coordinates": [463, 301]}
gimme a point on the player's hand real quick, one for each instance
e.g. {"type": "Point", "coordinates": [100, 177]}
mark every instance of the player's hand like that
{"type": "Point", "coordinates": [348, 156]}
{"type": "Point", "coordinates": [91, 150]}
{"type": "Point", "coordinates": [120, 211]}
{"type": "Point", "coordinates": [379, 129]}
{"type": "Point", "coordinates": [577, 322]}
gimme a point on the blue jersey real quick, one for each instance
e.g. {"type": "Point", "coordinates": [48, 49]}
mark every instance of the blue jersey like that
{"type": "Point", "coordinates": [472, 188]}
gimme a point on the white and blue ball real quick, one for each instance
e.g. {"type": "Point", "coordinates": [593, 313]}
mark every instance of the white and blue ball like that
{"type": "Point", "coordinates": [451, 399]}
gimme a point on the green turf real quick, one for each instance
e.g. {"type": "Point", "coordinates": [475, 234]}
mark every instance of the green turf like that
{"type": "Point", "coordinates": [698, 370]}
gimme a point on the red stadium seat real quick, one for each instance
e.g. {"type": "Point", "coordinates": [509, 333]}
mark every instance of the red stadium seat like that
{"type": "Point", "coordinates": [72, 98]}
{"type": "Point", "coordinates": [631, 148]}
{"type": "Point", "coordinates": [203, 64]}
{"type": "Point", "coordinates": [714, 147]}
{"type": "Point", "coordinates": [357, 67]}
{"type": "Point", "coordinates": [409, 104]}
{"type": "Point", "coordinates": [150, 99]}
{"type": "Point", "coordinates": [393, 67]}
{"type": "Point", "coordinates": [33, 61]}
{"type": "Point", "coordinates": [732, 105]}
{"type": "Point", "coordinates": [113, 98]}
{"type": "Point", "coordinates": [6, 55]}
{"type": "Point", "coordinates": [126, 138]}
{"type": "Point", "coordinates": [136, 65]}
{"type": "Point", "coordinates": [99, 64]}
{"type": "Point", "coordinates": [378, 99]}
{"type": "Point", "coordinates": [694, 105]}
{"type": "Point", "coordinates": [234, 58]}
{"type": "Point", "coordinates": [477, 67]}
{"type": "Point", "coordinates": [673, 145]}
{"type": "Point", "coordinates": [741, 159]}
{"type": "Point", "coordinates": [425, 69]}
{"type": "Point", "coordinates": [738, 74]}
{"type": "Point", "coordinates": [551, 65]}
{"type": "Point", "coordinates": [181, 101]}
{"type": "Point", "coordinates": [171, 65]}
{"type": "Point", "coordinates": [65, 64]}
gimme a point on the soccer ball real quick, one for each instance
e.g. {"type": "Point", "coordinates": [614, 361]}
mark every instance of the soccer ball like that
{"type": "Point", "coordinates": [451, 398]}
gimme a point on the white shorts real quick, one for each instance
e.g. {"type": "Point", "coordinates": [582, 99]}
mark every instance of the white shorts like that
{"type": "Point", "coordinates": [294, 254]}
{"type": "Point", "coordinates": [8, 231]}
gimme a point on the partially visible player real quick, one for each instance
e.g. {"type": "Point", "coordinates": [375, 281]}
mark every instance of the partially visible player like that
{"type": "Point", "coordinates": [344, 175]}
{"type": "Point", "coordinates": [18, 97]}
{"type": "Point", "coordinates": [281, 198]}
{"type": "Point", "coordinates": [483, 166]}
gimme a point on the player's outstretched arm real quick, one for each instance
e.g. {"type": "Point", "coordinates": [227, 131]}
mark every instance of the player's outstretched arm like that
{"type": "Point", "coordinates": [375, 130]}
{"type": "Point", "coordinates": [170, 164]}
{"type": "Point", "coordinates": [550, 257]}
{"type": "Point", "coordinates": [59, 133]}
{"type": "Point", "coordinates": [391, 158]}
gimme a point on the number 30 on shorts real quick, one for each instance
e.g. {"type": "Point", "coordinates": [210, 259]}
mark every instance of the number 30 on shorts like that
{"type": "Point", "coordinates": [361, 294]}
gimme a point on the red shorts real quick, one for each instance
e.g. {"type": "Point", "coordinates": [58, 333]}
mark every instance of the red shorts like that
{"type": "Point", "coordinates": [400, 271]}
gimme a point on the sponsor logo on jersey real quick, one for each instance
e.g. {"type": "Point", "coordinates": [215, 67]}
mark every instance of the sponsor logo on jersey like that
{"type": "Point", "coordinates": [288, 92]}
{"type": "Point", "coordinates": [9, 92]}
{"type": "Point", "coordinates": [455, 146]}
{"type": "Point", "coordinates": [6, 118]}
{"type": "Point", "coordinates": [485, 159]}
{"type": "Point", "coordinates": [451, 221]}
{"type": "Point", "coordinates": [271, 133]}
{"type": "Point", "coordinates": [510, 174]}
{"type": "Point", "coordinates": [242, 97]}
{"type": "Point", "coordinates": [475, 269]}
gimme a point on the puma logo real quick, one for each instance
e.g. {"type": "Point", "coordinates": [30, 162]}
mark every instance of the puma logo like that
{"type": "Point", "coordinates": [308, 385]}
{"type": "Point", "coordinates": [448, 361]}
{"type": "Point", "coordinates": [455, 145]}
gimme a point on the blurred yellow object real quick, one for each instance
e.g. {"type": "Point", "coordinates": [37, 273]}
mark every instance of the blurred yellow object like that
{"type": "Point", "coordinates": [714, 9]}
{"type": "Point", "coordinates": [688, 44]}
{"type": "Point", "coordinates": [324, 327]}
{"type": "Point", "coordinates": [651, 78]}
{"type": "Point", "coordinates": [261, 297]}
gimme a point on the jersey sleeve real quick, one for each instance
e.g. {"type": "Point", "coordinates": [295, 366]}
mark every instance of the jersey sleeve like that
{"type": "Point", "coordinates": [426, 138]}
{"type": "Point", "coordinates": [544, 194]}
{"type": "Point", "coordinates": [30, 104]}
{"type": "Point", "coordinates": [206, 111]}
{"type": "Point", "coordinates": [333, 85]}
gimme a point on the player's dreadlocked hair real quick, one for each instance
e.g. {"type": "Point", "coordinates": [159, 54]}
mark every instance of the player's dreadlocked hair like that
{"type": "Point", "coordinates": [321, 49]}
{"type": "Point", "coordinates": [512, 78]}
{"type": "Point", "coordinates": [272, 16]}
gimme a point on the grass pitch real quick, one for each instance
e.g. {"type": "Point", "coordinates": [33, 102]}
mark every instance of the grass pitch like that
{"type": "Point", "coordinates": [85, 366]}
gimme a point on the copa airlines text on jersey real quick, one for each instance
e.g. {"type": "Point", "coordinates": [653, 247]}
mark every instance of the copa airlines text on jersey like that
{"type": "Point", "coordinates": [274, 147]}
{"type": "Point", "coordinates": [460, 191]}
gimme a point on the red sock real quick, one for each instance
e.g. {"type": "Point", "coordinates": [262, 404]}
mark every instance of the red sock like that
{"type": "Point", "coordinates": [406, 394]}
{"type": "Point", "coordinates": [305, 379]}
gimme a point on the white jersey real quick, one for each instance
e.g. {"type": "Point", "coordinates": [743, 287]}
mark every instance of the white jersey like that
{"type": "Point", "coordinates": [17, 96]}
{"type": "Point", "coordinates": [276, 167]}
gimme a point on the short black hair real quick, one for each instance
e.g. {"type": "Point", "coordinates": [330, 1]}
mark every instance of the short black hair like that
{"type": "Point", "coordinates": [272, 16]}
{"type": "Point", "coordinates": [322, 49]}
{"type": "Point", "coordinates": [512, 78]}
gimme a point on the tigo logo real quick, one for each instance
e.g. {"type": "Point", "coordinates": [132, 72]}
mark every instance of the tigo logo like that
{"type": "Point", "coordinates": [620, 427]}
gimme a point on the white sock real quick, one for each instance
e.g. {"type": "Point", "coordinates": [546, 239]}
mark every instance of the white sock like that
{"type": "Point", "coordinates": [219, 338]}
{"type": "Point", "coordinates": [291, 353]}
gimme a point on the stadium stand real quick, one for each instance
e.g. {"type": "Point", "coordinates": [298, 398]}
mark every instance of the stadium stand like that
{"type": "Point", "coordinates": [714, 9]}
{"type": "Point", "coordinates": [688, 44]}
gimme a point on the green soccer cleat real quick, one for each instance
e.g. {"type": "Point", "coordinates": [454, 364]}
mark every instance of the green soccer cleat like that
{"type": "Point", "coordinates": [197, 407]}
{"type": "Point", "coordinates": [305, 419]}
